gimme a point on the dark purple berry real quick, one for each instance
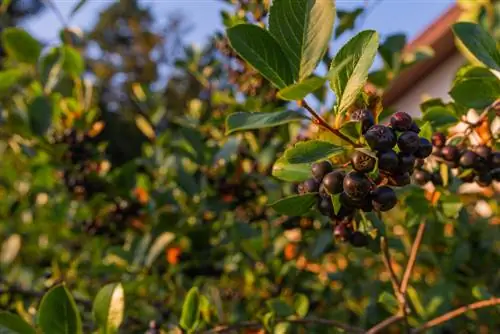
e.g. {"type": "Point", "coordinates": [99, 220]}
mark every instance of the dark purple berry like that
{"type": "Point", "coordinates": [325, 207]}
{"type": "Point", "coordinates": [383, 198]}
{"type": "Point", "coordinates": [408, 142]}
{"type": "Point", "coordinates": [424, 149]}
{"type": "Point", "coordinates": [438, 139]}
{"type": "Point", "coordinates": [437, 179]}
{"type": "Point", "coordinates": [399, 180]}
{"type": "Point", "coordinates": [414, 128]}
{"type": "Point", "coordinates": [401, 121]}
{"type": "Point", "coordinates": [450, 153]}
{"type": "Point", "coordinates": [495, 174]}
{"type": "Point", "coordinates": [310, 186]}
{"type": "Point", "coordinates": [406, 162]}
{"type": "Point", "coordinates": [388, 161]}
{"type": "Point", "coordinates": [358, 239]}
{"type": "Point", "coordinates": [341, 232]}
{"type": "Point", "coordinates": [356, 185]}
{"type": "Point", "coordinates": [380, 138]}
{"type": "Point", "coordinates": [421, 177]}
{"type": "Point", "coordinates": [484, 179]}
{"type": "Point", "coordinates": [468, 159]}
{"type": "Point", "coordinates": [494, 160]}
{"type": "Point", "coordinates": [364, 116]}
{"type": "Point", "coordinates": [345, 212]}
{"type": "Point", "coordinates": [333, 181]}
{"type": "Point", "coordinates": [320, 169]}
{"type": "Point", "coordinates": [483, 151]}
{"type": "Point", "coordinates": [362, 162]}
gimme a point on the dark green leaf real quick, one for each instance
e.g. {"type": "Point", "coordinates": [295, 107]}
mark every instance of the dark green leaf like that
{"type": "Point", "coordinates": [311, 151]}
{"type": "Point", "coordinates": [108, 308]}
{"type": "Point", "coordinates": [479, 43]}
{"type": "Point", "coordinates": [439, 116]}
{"type": "Point", "coordinates": [40, 115]}
{"type": "Point", "coordinates": [295, 205]}
{"type": "Point", "coordinates": [301, 305]}
{"type": "Point", "coordinates": [14, 324]}
{"type": "Point", "coordinates": [73, 62]}
{"type": "Point", "coordinates": [303, 28]}
{"type": "Point", "coordinates": [21, 45]}
{"type": "Point", "coordinates": [286, 171]}
{"type": "Point", "coordinates": [321, 244]}
{"type": "Point", "coordinates": [426, 131]}
{"type": "Point", "coordinates": [476, 87]}
{"type": "Point", "coordinates": [300, 90]}
{"type": "Point", "coordinates": [349, 82]}
{"type": "Point", "coordinates": [424, 106]}
{"type": "Point", "coordinates": [262, 51]}
{"type": "Point", "coordinates": [58, 313]}
{"type": "Point", "coordinates": [347, 20]}
{"type": "Point", "coordinates": [242, 121]}
{"type": "Point", "coordinates": [388, 301]}
{"type": "Point", "coordinates": [191, 310]}
{"type": "Point", "coordinates": [9, 79]}
{"type": "Point", "coordinates": [351, 129]}
{"type": "Point", "coordinates": [391, 50]}
{"type": "Point", "coordinates": [280, 308]}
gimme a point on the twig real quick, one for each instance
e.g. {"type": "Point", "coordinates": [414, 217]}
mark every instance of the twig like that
{"type": "Point", "coordinates": [386, 323]}
{"type": "Point", "coordinates": [321, 121]}
{"type": "Point", "coordinates": [305, 321]}
{"type": "Point", "coordinates": [413, 257]}
{"type": "Point", "coordinates": [455, 313]}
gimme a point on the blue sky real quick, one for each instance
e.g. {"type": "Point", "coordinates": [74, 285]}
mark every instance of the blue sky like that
{"type": "Point", "coordinates": [407, 16]}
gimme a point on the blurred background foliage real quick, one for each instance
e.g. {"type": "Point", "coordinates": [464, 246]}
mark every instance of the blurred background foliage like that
{"type": "Point", "coordinates": [115, 168]}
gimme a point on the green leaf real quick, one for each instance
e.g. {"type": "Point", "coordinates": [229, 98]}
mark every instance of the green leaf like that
{"type": "Point", "coordinates": [14, 324]}
{"type": "Point", "coordinates": [303, 28]}
{"type": "Point", "coordinates": [286, 171]}
{"type": "Point", "coordinates": [191, 310]}
{"type": "Point", "coordinates": [301, 305]}
{"type": "Point", "coordinates": [324, 240]}
{"type": "Point", "coordinates": [295, 205]}
{"type": "Point", "coordinates": [300, 90]}
{"type": "Point", "coordinates": [439, 116]}
{"type": "Point", "coordinates": [311, 151]}
{"type": "Point", "coordinates": [351, 129]}
{"type": "Point", "coordinates": [242, 121]}
{"type": "Point", "coordinates": [426, 131]}
{"type": "Point", "coordinates": [73, 62]}
{"type": "Point", "coordinates": [388, 301]}
{"type": "Point", "coordinates": [349, 81]}
{"type": "Point", "coordinates": [40, 115]}
{"type": "Point", "coordinates": [280, 308]}
{"type": "Point", "coordinates": [336, 203]}
{"type": "Point", "coordinates": [9, 79]}
{"type": "Point", "coordinates": [347, 20]}
{"type": "Point", "coordinates": [258, 47]}
{"type": "Point", "coordinates": [479, 43]}
{"type": "Point", "coordinates": [21, 45]}
{"type": "Point", "coordinates": [476, 87]}
{"type": "Point", "coordinates": [108, 308]}
{"type": "Point", "coordinates": [58, 313]}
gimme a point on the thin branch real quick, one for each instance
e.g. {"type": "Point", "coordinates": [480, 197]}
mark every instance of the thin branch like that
{"type": "Point", "coordinates": [321, 121]}
{"type": "Point", "coordinates": [386, 323]}
{"type": "Point", "coordinates": [305, 321]}
{"type": "Point", "coordinates": [455, 313]}
{"type": "Point", "coordinates": [413, 257]}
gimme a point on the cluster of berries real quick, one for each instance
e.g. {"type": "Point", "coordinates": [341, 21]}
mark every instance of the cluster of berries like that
{"type": "Point", "coordinates": [355, 189]}
{"type": "Point", "coordinates": [478, 164]}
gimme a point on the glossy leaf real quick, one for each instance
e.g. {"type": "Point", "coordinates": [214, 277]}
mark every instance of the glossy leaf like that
{"type": "Point", "coordinates": [242, 121]}
{"type": "Point", "coordinates": [479, 43]}
{"type": "Point", "coordinates": [303, 28]}
{"type": "Point", "coordinates": [349, 81]}
{"type": "Point", "coordinates": [300, 90]}
{"type": "Point", "coordinates": [262, 51]}
{"type": "Point", "coordinates": [191, 310]}
{"type": "Point", "coordinates": [58, 313]}
{"type": "Point", "coordinates": [439, 116]}
{"type": "Point", "coordinates": [312, 151]}
{"type": "Point", "coordinates": [108, 308]}
{"type": "Point", "coordinates": [21, 45]}
{"type": "Point", "coordinates": [14, 324]}
{"type": "Point", "coordinates": [73, 62]}
{"type": "Point", "coordinates": [9, 78]}
{"type": "Point", "coordinates": [476, 87]}
{"type": "Point", "coordinates": [40, 115]}
{"type": "Point", "coordinates": [286, 171]}
{"type": "Point", "coordinates": [295, 205]}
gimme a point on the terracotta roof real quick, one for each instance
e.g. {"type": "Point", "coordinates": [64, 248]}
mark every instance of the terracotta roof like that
{"type": "Point", "coordinates": [439, 36]}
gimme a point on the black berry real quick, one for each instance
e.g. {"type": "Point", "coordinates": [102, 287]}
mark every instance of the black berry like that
{"type": "Point", "coordinates": [383, 198]}
{"type": "Point", "coordinates": [401, 121]}
{"type": "Point", "coordinates": [310, 186]}
{"type": "Point", "coordinates": [450, 153]}
{"type": "Point", "coordinates": [380, 138]}
{"type": "Point", "coordinates": [364, 116]}
{"type": "Point", "coordinates": [358, 239]}
{"type": "Point", "coordinates": [388, 161]}
{"type": "Point", "coordinates": [438, 139]}
{"type": "Point", "coordinates": [408, 142]}
{"type": "Point", "coordinates": [356, 185]}
{"type": "Point", "coordinates": [325, 207]}
{"type": "Point", "coordinates": [320, 169]}
{"type": "Point", "coordinates": [414, 128]}
{"type": "Point", "coordinates": [333, 182]}
{"type": "Point", "coordinates": [494, 160]}
{"type": "Point", "coordinates": [483, 151]}
{"type": "Point", "coordinates": [406, 162]}
{"type": "Point", "coordinates": [362, 162]}
{"type": "Point", "coordinates": [399, 180]}
{"type": "Point", "coordinates": [468, 159]}
{"type": "Point", "coordinates": [484, 179]}
{"type": "Point", "coordinates": [421, 177]}
{"type": "Point", "coordinates": [424, 149]}
{"type": "Point", "coordinates": [495, 174]}
{"type": "Point", "coordinates": [437, 179]}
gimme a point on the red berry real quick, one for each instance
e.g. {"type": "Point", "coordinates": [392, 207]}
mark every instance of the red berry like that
{"type": "Point", "coordinates": [438, 139]}
{"type": "Point", "coordinates": [401, 121]}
